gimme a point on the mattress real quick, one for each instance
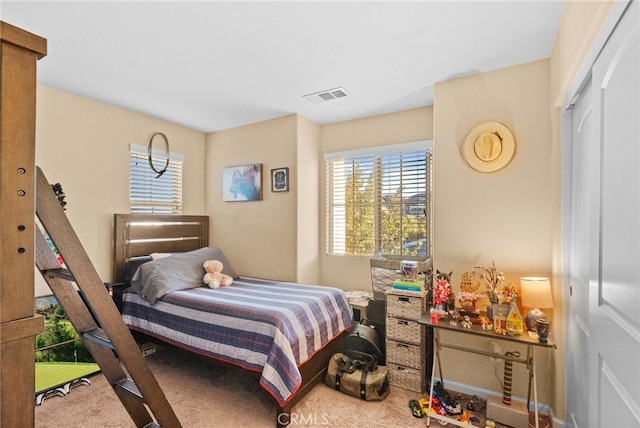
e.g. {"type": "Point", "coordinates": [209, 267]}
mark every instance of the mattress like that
{"type": "Point", "coordinates": [265, 326]}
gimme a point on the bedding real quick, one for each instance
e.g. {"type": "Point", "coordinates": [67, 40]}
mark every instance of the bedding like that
{"type": "Point", "coordinates": [136, 236]}
{"type": "Point", "coordinates": [265, 326]}
{"type": "Point", "coordinates": [179, 271]}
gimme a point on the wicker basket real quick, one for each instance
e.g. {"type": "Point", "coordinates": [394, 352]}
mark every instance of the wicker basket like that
{"type": "Point", "coordinates": [410, 305]}
{"type": "Point", "coordinates": [406, 377]}
{"type": "Point", "coordinates": [386, 270]}
{"type": "Point", "coordinates": [405, 354]}
{"type": "Point", "coordinates": [407, 331]}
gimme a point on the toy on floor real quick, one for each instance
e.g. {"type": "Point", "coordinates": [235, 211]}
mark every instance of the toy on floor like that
{"type": "Point", "coordinates": [471, 406]}
{"type": "Point", "coordinates": [490, 423]}
{"type": "Point", "coordinates": [464, 418]}
{"type": "Point", "coordinates": [436, 407]}
{"type": "Point", "coordinates": [416, 409]}
{"type": "Point", "coordinates": [451, 405]}
{"type": "Point", "coordinates": [214, 277]}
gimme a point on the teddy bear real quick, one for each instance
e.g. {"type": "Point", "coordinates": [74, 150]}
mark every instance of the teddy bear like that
{"type": "Point", "coordinates": [214, 277]}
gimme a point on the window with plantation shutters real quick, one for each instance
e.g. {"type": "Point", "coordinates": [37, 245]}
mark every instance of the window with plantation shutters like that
{"type": "Point", "coordinates": [379, 201]}
{"type": "Point", "coordinates": [148, 193]}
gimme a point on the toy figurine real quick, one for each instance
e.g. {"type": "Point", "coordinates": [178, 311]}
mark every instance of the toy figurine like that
{"type": "Point", "coordinates": [466, 322]}
{"type": "Point", "coordinates": [464, 418]}
{"type": "Point", "coordinates": [435, 317]}
{"type": "Point", "coordinates": [486, 323]}
{"type": "Point", "coordinates": [514, 321]}
{"type": "Point", "coordinates": [471, 406]}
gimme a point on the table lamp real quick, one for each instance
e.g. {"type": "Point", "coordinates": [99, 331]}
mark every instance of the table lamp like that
{"type": "Point", "coordinates": [536, 294]}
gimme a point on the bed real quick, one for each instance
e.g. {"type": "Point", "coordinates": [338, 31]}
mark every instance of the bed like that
{"type": "Point", "coordinates": [283, 331]}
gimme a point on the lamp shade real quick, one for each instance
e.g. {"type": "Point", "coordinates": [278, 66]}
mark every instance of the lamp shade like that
{"type": "Point", "coordinates": [536, 292]}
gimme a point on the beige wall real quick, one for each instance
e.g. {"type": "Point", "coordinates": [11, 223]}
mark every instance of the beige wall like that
{"type": "Point", "coordinates": [306, 185]}
{"type": "Point", "coordinates": [286, 229]}
{"type": "Point", "coordinates": [84, 145]}
{"type": "Point", "coordinates": [353, 273]}
{"type": "Point", "coordinates": [580, 26]}
{"type": "Point", "coordinates": [258, 237]}
{"type": "Point", "coordinates": [505, 216]}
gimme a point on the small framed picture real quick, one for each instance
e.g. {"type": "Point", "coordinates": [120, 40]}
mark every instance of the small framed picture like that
{"type": "Point", "coordinates": [280, 180]}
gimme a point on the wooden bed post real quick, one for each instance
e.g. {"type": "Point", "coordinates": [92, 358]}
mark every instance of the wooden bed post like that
{"type": "Point", "coordinates": [19, 52]}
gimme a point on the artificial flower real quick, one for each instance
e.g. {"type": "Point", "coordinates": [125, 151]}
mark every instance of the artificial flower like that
{"type": "Point", "coordinates": [508, 295]}
{"type": "Point", "coordinates": [468, 296]}
{"type": "Point", "coordinates": [493, 281]}
{"type": "Point", "coordinates": [441, 290]}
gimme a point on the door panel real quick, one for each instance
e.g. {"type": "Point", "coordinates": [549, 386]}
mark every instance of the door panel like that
{"type": "Point", "coordinates": [614, 346]}
{"type": "Point", "coordinates": [582, 180]}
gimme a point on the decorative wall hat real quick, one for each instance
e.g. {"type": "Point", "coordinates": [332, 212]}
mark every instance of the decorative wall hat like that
{"type": "Point", "coordinates": [489, 147]}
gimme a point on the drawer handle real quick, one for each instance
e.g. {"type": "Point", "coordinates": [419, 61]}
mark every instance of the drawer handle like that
{"type": "Point", "coordinates": [403, 322]}
{"type": "Point", "coordinates": [402, 345]}
{"type": "Point", "coordinates": [403, 299]}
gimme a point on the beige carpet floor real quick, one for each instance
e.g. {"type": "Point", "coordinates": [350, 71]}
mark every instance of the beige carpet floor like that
{"type": "Point", "coordinates": [205, 394]}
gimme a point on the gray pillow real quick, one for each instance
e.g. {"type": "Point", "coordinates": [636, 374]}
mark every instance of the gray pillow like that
{"type": "Point", "coordinates": [181, 271]}
{"type": "Point", "coordinates": [132, 265]}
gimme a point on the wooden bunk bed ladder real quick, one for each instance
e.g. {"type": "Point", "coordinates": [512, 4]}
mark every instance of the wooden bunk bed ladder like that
{"type": "Point", "coordinates": [94, 315]}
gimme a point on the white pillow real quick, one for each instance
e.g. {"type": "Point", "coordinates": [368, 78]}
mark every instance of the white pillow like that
{"type": "Point", "coordinates": [156, 256]}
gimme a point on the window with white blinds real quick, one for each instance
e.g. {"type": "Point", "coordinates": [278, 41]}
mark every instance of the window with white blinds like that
{"type": "Point", "coordinates": [379, 201]}
{"type": "Point", "coordinates": [148, 193]}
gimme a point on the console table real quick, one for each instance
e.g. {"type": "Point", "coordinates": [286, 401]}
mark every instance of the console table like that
{"type": "Point", "coordinates": [476, 330]}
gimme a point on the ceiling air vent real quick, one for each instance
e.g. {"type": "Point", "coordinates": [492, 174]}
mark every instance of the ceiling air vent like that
{"type": "Point", "coordinates": [327, 95]}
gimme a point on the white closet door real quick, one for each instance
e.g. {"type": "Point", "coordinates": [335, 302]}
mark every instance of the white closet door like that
{"type": "Point", "coordinates": [614, 283]}
{"type": "Point", "coordinates": [584, 154]}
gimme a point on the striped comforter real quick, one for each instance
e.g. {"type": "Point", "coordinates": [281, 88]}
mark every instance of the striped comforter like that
{"type": "Point", "coordinates": [261, 325]}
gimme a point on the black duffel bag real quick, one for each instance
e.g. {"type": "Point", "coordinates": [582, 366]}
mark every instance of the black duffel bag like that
{"type": "Point", "coordinates": [358, 374]}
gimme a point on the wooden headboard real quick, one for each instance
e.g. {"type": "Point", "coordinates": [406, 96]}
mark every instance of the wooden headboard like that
{"type": "Point", "coordinates": [138, 235]}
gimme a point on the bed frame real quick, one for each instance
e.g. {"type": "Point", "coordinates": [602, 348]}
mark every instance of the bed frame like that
{"type": "Point", "coordinates": [138, 235]}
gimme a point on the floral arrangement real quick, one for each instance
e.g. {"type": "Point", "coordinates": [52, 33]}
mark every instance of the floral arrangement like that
{"type": "Point", "coordinates": [508, 295]}
{"type": "Point", "coordinates": [441, 289]}
{"type": "Point", "coordinates": [468, 296]}
{"type": "Point", "coordinates": [494, 281]}
{"type": "Point", "coordinates": [468, 301]}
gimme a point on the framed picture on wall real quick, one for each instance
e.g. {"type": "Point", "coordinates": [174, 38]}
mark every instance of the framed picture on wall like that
{"type": "Point", "coordinates": [280, 180]}
{"type": "Point", "coordinates": [242, 183]}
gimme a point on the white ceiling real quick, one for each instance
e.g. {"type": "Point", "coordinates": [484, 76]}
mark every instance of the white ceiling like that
{"type": "Point", "coordinates": [213, 65]}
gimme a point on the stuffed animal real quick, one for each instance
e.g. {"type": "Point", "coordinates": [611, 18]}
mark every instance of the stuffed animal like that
{"type": "Point", "coordinates": [214, 277]}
